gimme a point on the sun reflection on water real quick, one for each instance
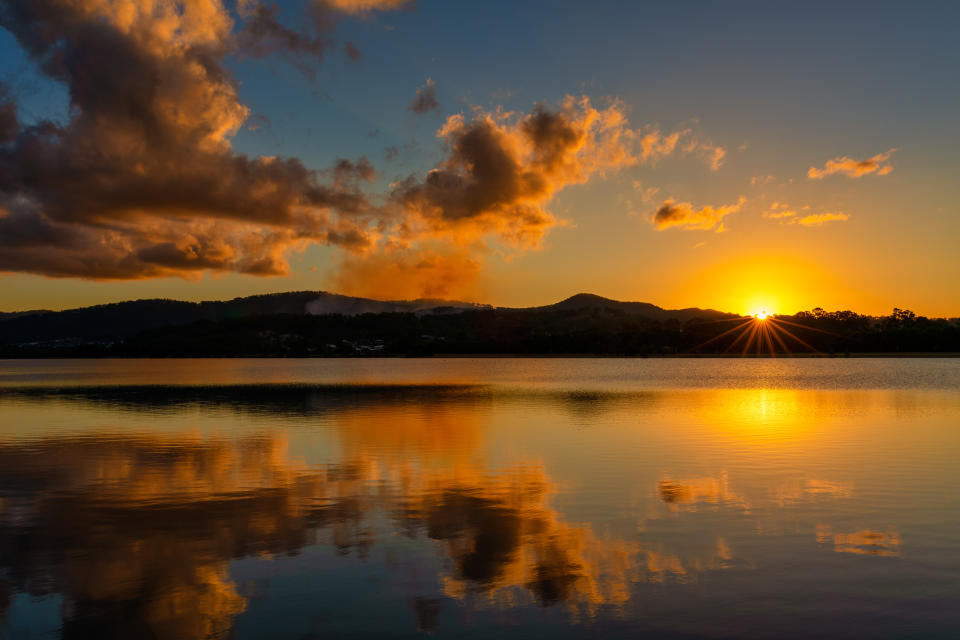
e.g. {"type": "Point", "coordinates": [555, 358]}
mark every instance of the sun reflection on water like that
{"type": "Point", "coordinates": [138, 527]}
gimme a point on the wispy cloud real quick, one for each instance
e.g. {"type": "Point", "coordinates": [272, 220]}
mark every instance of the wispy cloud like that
{"type": "Point", "coordinates": [817, 219]}
{"type": "Point", "coordinates": [789, 215]}
{"type": "Point", "coordinates": [779, 210]}
{"type": "Point", "coordinates": [647, 194]}
{"type": "Point", "coordinates": [854, 168]}
{"type": "Point", "coordinates": [361, 7]}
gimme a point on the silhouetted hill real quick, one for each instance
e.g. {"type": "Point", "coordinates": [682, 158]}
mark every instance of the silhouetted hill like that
{"type": "Point", "coordinates": [110, 322]}
{"type": "Point", "coordinates": [591, 301]}
{"type": "Point", "coordinates": [308, 323]}
{"type": "Point", "coordinates": [5, 315]}
{"type": "Point", "coordinates": [115, 321]}
{"type": "Point", "coordinates": [325, 303]}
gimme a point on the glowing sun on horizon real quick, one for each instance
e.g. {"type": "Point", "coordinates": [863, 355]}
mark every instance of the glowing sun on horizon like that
{"type": "Point", "coordinates": [761, 315]}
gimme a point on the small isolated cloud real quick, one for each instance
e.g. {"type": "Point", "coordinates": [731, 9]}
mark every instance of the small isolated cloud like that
{"type": "Point", "coordinates": [685, 216]}
{"type": "Point", "coordinates": [652, 145]}
{"type": "Point", "coordinates": [647, 194]}
{"type": "Point", "coordinates": [755, 180]}
{"type": "Point", "coordinates": [854, 168]}
{"type": "Point", "coordinates": [779, 210]}
{"type": "Point", "coordinates": [713, 155]}
{"type": "Point", "coordinates": [426, 98]}
{"type": "Point", "coordinates": [817, 219]}
{"type": "Point", "coordinates": [353, 53]}
{"type": "Point", "coordinates": [363, 7]}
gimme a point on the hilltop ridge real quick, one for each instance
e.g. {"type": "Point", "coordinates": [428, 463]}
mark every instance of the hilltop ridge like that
{"type": "Point", "coordinates": [118, 320]}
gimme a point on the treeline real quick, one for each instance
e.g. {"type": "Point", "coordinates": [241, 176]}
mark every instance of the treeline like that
{"type": "Point", "coordinates": [597, 330]}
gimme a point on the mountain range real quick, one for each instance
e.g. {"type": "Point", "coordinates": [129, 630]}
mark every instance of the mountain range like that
{"type": "Point", "coordinates": [109, 322]}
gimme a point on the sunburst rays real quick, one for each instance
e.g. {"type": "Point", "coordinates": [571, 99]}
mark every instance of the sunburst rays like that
{"type": "Point", "coordinates": [763, 335]}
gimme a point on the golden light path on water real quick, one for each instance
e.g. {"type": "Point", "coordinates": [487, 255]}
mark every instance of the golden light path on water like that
{"type": "Point", "coordinates": [171, 509]}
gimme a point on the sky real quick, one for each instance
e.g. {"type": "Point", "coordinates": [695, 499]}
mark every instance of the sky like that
{"type": "Point", "coordinates": [732, 155]}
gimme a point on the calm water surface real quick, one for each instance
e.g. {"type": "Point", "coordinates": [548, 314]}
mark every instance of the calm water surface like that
{"type": "Point", "coordinates": [480, 498]}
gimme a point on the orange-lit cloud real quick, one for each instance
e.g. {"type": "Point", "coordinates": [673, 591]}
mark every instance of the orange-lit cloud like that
{"type": "Point", "coordinates": [783, 212]}
{"type": "Point", "coordinates": [359, 7]}
{"type": "Point", "coordinates": [779, 210]}
{"type": "Point", "coordinates": [713, 155]}
{"type": "Point", "coordinates": [653, 145]}
{"type": "Point", "coordinates": [501, 170]}
{"type": "Point", "coordinates": [684, 215]}
{"type": "Point", "coordinates": [817, 219]}
{"type": "Point", "coordinates": [142, 181]}
{"type": "Point", "coordinates": [854, 168]}
{"type": "Point", "coordinates": [397, 272]}
{"type": "Point", "coordinates": [647, 194]}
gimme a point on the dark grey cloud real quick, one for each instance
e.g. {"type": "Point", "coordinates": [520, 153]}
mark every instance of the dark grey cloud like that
{"type": "Point", "coordinates": [425, 99]}
{"type": "Point", "coordinates": [353, 53]}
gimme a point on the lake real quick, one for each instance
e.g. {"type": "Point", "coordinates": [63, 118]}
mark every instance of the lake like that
{"type": "Point", "coordinates": [365, 498]}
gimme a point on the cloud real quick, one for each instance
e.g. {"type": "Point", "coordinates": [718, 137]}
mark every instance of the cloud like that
{"type": "Point", "coordinates": [817, 219]}
{"type": "Point", "coordinates": [502, 169]}
{"type": "Point", "coordinates": [685, 216]}
{"type": "Point", "coordinates": [779, 210]}
{"type": "Point", "coordinates": [653, 145]}
{"type": "Point", "coordinates": [646, 193]}
{"type": "Point", "coordinates": [713, 155]}
{"type": "Point", "coordinates": [854, 168]}
{"type": "Point", "coordinates": [142, 180]}
{"type": "Point", "coordinates": [362, 7]}
{"type": "Point", "coordinates": [494, 185]}
{"type": "Point", "coordinates": [426, 98]}
{"type": "Point", "coordinates": [398, 272]}
{"type": "Point", "coordinates": [787, 215]}
{"type": "Point", "coordinates": [263, 33]}
{"type": "Point", "coordinates": [353, 53]}
{"type": "Point", "coordinates": [9, 123]}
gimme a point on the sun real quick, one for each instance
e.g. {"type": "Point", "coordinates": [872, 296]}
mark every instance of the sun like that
{"type": "Point", "coordinates": [761, 315]}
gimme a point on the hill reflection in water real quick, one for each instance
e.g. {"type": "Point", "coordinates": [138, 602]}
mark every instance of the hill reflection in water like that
{"type": "Point", "coordinates": [173, 512]}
